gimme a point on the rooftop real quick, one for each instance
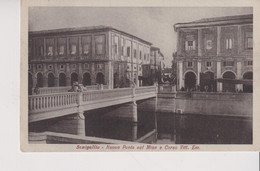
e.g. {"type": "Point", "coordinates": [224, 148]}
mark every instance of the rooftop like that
{"type": "Point", "coordinates": [236, 19]}
{"type": "Point", "coordinates": [75, 30]}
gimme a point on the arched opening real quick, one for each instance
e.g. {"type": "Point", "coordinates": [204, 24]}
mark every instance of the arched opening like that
{"type": "Point", "coordinates": [227, 85]}
{"type": "Point", "coordinates": [248, 88]}
{"type": "Point", "coordinates": [190, 80]}
{"type": "Point", "coordinates": [30, 84]}
{"type": "Point", "coordinates": [62, 80]}
{"type": "Point", "coordinates": [116, 80]}
{"type": "Point", "coordinates": [74, 78]}
{"type": "Point", "coordinates": [39, 80]}
{"type": "Point", "coordinates": [51, 80]}
{"type": "Point", "coordinates": [86, 79]}
{"type": "Point", "coordinates": [207, 82]}
{"type": "Point", "coordinates": [100, 78]}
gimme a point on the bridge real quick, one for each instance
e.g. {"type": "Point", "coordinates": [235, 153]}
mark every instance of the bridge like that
{"type": "Point", "coordinates": [50, 90]}
{"type": "Point", "coordinates": [47, 106]}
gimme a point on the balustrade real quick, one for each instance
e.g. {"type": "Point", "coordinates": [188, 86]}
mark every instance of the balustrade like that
{"type": "Point", "coordinates": [106, 94]}
{"type": "Point", "coordinates": [51, 90]}
{"type": "Point", "coordinates": [58, 100]}
{"type": "Point", "coordinates": [42, 102]}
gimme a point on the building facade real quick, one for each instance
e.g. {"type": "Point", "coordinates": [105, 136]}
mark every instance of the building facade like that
{"type": "Point", "coordinates": [215, 54]}
{"type": "Point", "coordinates": [89, 55]}
{"type": "Point", "coordinates": [153, 70]}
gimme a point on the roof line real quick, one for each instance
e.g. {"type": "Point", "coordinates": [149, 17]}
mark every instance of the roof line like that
{"type": "Point", "coordinates": [82, 29]}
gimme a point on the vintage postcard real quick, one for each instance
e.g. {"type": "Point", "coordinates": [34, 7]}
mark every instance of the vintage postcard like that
{"type": "Point", "coordinates": [148, 77]}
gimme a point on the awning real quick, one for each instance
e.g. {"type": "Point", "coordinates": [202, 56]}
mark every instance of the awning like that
{"type": "Point", "coordinates": [235, 81]}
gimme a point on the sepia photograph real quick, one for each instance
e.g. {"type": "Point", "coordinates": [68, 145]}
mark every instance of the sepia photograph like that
{"type": "Point", "coordinates": [181, 77]}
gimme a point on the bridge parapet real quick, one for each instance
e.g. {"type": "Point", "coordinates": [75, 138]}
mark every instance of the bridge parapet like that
{"type": "Point", "coordinates": [48, 101]}
{"type": "Point", "coordinates": [148, 89]}
{"type": "Point", "coordinates": [46, 106]}
{"type": "Point", "coordinates": [106, 94]}
{"type": "Point", "coordinates": [51, 90]}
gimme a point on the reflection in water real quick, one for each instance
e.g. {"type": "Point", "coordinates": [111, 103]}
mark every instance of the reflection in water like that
{"type": "Point", "coordinates": [114, 128]}
{"type": "Point", "coordinates": [199, 129]}
{"type": "Point", "coordinates": [174, 128]}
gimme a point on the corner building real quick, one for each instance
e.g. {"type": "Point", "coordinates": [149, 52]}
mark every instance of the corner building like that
{"type": "Point", "coordinates": [89, 55]}
{"type": "Point", "coordinates": [215, 54]}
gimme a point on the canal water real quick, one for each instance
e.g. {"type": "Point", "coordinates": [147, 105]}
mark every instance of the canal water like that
{"type": "Point", "coordinates": [174, 128]}
{"type": "Point", "coordinates": [170, 128]}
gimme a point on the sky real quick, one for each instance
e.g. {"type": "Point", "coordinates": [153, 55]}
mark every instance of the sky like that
{"type": "Point", "coordinates": [153, 24]}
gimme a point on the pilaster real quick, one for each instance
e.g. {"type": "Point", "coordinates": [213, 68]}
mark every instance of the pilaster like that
{"type": "Point", "coordinates": [218, 40]}
{"type": "Point", "coordinates": [219, 84]}
{"type": "Point", "coordinates": [200, 42]}
{"type": "Point", "coordinates": [180, 71]}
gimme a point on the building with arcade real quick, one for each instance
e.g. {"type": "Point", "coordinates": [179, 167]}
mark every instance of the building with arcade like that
{"type": "Point", "coordinates": [215, 54]}
{"type": "Point", "coordinates": [88, 55]}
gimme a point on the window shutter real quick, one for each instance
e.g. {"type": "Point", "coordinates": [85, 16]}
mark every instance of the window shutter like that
{"type": "Point", "coordinates": [226, 43]}
{"type": "Point", "coordinates": [230, 43]}
{"type": "Point", "coordinates": [186, 45]}
{"type": "Point", "coordinates": [193, 45]}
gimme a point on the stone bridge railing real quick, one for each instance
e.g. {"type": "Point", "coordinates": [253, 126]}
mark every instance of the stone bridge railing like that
{"type": "Point", "coordinates": [50, 90]}
{"type": "Point", "coordinates": [50, 101]}
{"type": "Point", "coordinates": [82, 101]}
{"type": "Point", "coordinates": [106, 94]}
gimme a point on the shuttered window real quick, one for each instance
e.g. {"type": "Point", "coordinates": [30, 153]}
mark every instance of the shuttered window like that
{"type": "Point", "coordinates": [190, 45]}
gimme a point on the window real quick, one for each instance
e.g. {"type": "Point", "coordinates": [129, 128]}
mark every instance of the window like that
{"type": "Point", "coordinates": [134, 53]}
{"type": "Point", "coordinates": [123, 52]}
{"type": "Point", "coordinates": [189, 45]}
{"type": "Point", "coordinates": [99, 66]}
{"type": "Point", "coordinates": [86, 44]}
{"type": "Point", "coordinates": [39, 66]}
{"type": "Point", "coordinates": [144, 56]}
{"type": "Point", "coordinates": [140, 68]}
{"type": "Point", "coordinates": [50, 67]}
{"type": "Point", "coordinates": [228, 63]}
{"type": "Point", "coordinates": [116, 49]}
{"type": "Point", "coordinates": [208, 64]}
{"type": "Point", "coordinates": [249, 63]}
{"type": "Point", "coordinates": [189, 64]}
{"type": "Point", "coordinates": [128, 67]}
{"type": "Point", "coordinates": [115, 44]}
{"type": "Point", "coordinates": [73, 49]}
{"type": "Point", "coordinates": [50, 51]}
{"type": "Point", "coordinates": [99, 49]}
{"type": "Point", "coordinates": [86, 49]}
{"type": "Point", "coordinates": [86, 66]}
{"type": "Point", "coordinates": [249, 40]}
{"type": "Point", "coordinates": [100, 44]}
{"type": "Point", "coordinates": [208, 44]}
{"type": "Point", "coordinates": [229, 43]}
{"type": "Point", "coordinates": [62, 67]}
{"type": "Point", "coordinates": [249, 43]}
{"type": "Point", "coordinates": [40, 51]}
{"type": "Point", "coordinates": [148, 57]}
{"type": "Point", "coordinates": [140, 54]}
{"type": "Point", "coordinates": [73, 66]}
{"type": "Point", "coordinates": [61, 50]}
{"type": "Point", "coordinates": [128, 51]}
